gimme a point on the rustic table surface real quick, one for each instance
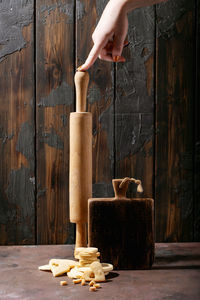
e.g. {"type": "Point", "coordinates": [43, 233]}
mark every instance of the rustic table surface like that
{"type": "Point", "coordinates": [175, 275]}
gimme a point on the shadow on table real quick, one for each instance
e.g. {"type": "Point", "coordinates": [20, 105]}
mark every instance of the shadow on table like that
{"type": "Point", "coordinates": [111, 275]}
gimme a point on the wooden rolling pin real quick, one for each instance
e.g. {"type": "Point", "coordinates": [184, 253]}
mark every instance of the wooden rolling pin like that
{"type": "Point", "coordinates": [80, 169]}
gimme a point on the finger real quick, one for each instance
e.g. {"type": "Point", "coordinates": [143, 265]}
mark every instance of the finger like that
{"type": "Point", "coordinates": [126, 43]}
{"type": "Point", "coordinates": [94, 53]}
{"type": "Point", "coordinates": [118, 45]}
{"type": "Point", "coordinates": [109, 45]}
{"type": "Point", "coordinates": [104, 55]}
{"type": "Point", "coordinates": [119, 40]}
{"type": "Point", "coordinates": [108, 57]}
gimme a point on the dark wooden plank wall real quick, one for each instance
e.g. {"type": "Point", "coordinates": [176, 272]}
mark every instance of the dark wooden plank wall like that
{"type": "Point", "coordinates": [197, 130]}
{"type": "Point", "coordinates": [145, 115]}
{"type": "Point", "coordinates": [175, 99]}
{"type": "Point", "coordinates": [54, 101]}
{"type": "Point", "coordinates": [17, 124]}
{"type": "Point", "coordinates": [134, 103]}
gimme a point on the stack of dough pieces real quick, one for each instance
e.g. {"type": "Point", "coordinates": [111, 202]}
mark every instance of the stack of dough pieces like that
{"type": "Point", "coordinates": [86, 256]}
{"type": "Point", "coordinates": [87, 267]}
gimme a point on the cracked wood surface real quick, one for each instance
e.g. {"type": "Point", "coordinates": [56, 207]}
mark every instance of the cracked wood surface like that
{"type": "Point", "coordinates": [175, 126]}
{"type": "Point", "coordinates": [54, 100]}
{"type": "Point", "coordinates": [17, 125]}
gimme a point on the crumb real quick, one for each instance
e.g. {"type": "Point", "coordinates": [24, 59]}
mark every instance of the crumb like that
{"type": "Point", "coordinates": [63, 282]}
{"type": "Point", "coordinates": [91, 283]}
{"type": "Point", "coordinates": [75, 281]}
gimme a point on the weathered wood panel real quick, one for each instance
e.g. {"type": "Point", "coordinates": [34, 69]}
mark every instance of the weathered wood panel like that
{"type": "Point", "coordinates": [122, 230]}
{"type": "Point", "coordinates": [134, 106]}
{"type": "Point", "coordinates": [55, 100]}
{"type": "Point", "coordinates": [174, 120]}
{"type": "Point", "coordinates": [123, 106]}
{"type": "Point", "coordinates": [100, 97]}
{"type": "Point", "coordinates": [197, 132]}
{"type": "Point", "coordinates": [17, 158]}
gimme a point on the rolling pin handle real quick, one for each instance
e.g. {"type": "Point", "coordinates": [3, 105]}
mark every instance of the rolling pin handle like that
{"type": "Point", "coordinates": [81, 80]}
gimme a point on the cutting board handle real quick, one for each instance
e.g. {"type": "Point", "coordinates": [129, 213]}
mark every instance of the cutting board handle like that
{"type": "Point", "coordinates": [81, 80]}
{"type": "Point", "coordinates": [120, 186]}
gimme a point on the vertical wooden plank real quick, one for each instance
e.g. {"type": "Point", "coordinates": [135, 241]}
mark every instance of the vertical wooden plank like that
{"type": "Point", "coordinates": [197, 133]}
{"type": "Point", "coordinates": [100, 97]}
{"type": "Point", "coordinates": [55, 100]}
{"type": "Point", "coordinates": [174, 120]}
{"type": "Point", "coordinates": [17, 128]}
{"type": "Point", "coordinates": [134, 107]}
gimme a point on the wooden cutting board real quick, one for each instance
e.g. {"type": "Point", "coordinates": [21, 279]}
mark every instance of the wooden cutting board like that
{"type": "Point", "coordinates": [122, 228]}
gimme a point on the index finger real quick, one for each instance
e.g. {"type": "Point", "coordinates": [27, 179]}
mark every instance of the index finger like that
{"type": "Point", "coordinates": [94, 53]}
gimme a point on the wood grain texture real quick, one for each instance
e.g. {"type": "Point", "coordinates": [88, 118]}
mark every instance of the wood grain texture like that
{"type": "Point", "coordinates": [123, 231]}
{"type": "Point", "coordinates": [100, 97]}
{"type": "Point", "coordinates": [55, 100]}
{"type": "Point", "coordinates": [174, 120]}
{"type": "Point", "coordinates": [197, 132]}
{"type": "Point", "coordinates": [34, 133]}
{"type": "Point", "coordinates": [17, 158]}
{"type": "Point", "coordinates": [134, 106]}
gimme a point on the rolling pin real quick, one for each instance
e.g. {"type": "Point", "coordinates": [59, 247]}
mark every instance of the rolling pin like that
{"type": "Point", "coordinates": [80, 167]}
{"type": "Point", "coordinates": [123, 228]}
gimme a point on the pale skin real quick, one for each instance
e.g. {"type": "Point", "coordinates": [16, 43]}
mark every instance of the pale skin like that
{"type": "Point", "coordinates": [109, 37]}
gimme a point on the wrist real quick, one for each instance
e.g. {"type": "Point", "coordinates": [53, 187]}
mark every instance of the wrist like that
{"type": "Point", "coordinates": [128, 5]}
{"type": "Point", "coordinates": [123, 5]}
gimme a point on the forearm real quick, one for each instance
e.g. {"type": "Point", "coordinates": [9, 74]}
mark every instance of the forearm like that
{"type": "Point", "coordinates": [128, 5]}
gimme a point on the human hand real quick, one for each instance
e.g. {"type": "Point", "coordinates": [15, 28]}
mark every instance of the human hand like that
{"type": "Point", "coordinates": [109, 35]}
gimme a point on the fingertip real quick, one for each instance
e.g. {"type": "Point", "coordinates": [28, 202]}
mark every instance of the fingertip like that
{"type": "Point", "coordinates": [126, 43]}
{"type": "Point", "coordinates": [118, 58]}
{"type": "Point", "coordinates": [82, 68]}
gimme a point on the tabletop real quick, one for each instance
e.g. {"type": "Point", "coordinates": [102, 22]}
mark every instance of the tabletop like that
{"type": "Point", "coordinates": [175, 275]}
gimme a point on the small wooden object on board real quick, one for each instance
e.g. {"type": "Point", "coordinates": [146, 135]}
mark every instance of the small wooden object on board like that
{"type": "Point", "coordinates": [122, 228]}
